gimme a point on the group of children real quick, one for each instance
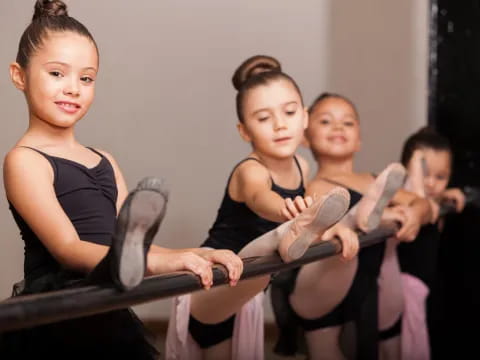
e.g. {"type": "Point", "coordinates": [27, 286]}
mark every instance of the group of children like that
{"type": "Point", "coordinates": [80, 225]}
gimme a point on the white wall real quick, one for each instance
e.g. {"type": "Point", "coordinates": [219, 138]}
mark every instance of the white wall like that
{"type": "Point", "coordinates": [165, 105]}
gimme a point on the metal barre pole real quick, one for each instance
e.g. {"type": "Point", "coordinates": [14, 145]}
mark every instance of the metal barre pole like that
{"type": "Point", "coordinates": [37, 309]}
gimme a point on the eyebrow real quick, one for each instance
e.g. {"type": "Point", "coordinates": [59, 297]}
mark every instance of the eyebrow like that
{"type": "Point", "coordinates": [346, 116]}
{"type": "Point", "coordinates": [67, 65]}
{"type": "Point", "coordinates": [267, 109]}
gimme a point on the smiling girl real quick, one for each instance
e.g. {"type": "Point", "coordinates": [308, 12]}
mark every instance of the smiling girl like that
{"type": "Point", "coordinates": [333, 135]}
{"type": "Point", "coordinates": [65, 198]}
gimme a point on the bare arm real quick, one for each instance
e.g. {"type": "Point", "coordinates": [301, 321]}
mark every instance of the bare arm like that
{"type": "Point", "coordinates": [415, 211]}
{"type": "Point", "coordinates": [28, 179]}
{"type": "Point", "coordinates": [251, 184]}
{"type": "Point", "coordinates": [419, 205]}
{"type": "Point", "coordinates": [454, 195]}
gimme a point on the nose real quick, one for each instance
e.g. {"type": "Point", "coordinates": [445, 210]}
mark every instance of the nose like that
{"type": "Point", "coordinates": [279, 122]}
{"type": "Point", "coordinates": [338, 125]}
{"type": "Point", "coordinates": [72, 88]}
{"type": "Point", "coordinates": [429, 182]}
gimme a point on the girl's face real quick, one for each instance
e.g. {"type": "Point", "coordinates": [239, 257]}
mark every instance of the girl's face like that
{"type": "Point", "coordinates": [59, 82]}
{"type": "Point", "coordinates": [334, 129]}
{"type": "Point", "coordinates": [274, 119]}
{"type": "Point", "coordinates": [438, 171]}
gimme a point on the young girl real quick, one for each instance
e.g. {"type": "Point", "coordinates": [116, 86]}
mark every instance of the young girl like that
{"type": "Point", "coordinates": [263, 191]}
{"type": "Point", "coordinates": [427, 156]}
{"type": "Point", "coordinates": [334, 138]}
{"type": "Point", "coordinates": [65, 198]}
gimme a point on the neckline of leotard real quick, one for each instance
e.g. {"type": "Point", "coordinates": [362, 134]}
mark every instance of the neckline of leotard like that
{"type": "Point", "coordinates": [342, 185]}
{"type": "Point", "coordinates": [271, 178]}
{"type": "Point", "coordinates": [102, 158]}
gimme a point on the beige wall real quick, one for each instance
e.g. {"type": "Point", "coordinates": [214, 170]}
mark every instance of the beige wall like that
{"type": "Point", "coordinates": [165, 106]}
{"type": "Point", "coordinates": [378, 58]}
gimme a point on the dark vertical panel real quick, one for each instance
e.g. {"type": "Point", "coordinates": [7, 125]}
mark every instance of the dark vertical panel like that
{"type": "Point", "coordinates": [454, 110]}
{"type": "Point", "coordinates": [455, 81]}
{"type": "Point", "coordinates": [433, 68]}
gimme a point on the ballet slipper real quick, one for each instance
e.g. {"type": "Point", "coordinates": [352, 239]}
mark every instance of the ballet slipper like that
{"type": "Point", "coordinates": [138, 221]}
{"type": "Point", "coordinates": [300, 232]}
{"type": "Point", "coordinates": [367, 214]}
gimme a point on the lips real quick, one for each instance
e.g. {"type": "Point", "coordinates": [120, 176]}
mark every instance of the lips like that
{"type": "Point", "coordinates": [68, 106]}
{"type": "Point", "coordinates": [337, 139]}
{"type": "Point", "coordinates": [283, 139]}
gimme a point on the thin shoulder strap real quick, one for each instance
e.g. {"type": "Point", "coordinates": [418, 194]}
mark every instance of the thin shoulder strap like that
{"type": "Point", "coordinates": [241, 162]}
{"type": "Point", "coordinates": [96, 152]}
{"type": "Point", "coordinates": [34, 149]}
{"type": "Point", "coordinates": [340, 184]}
{"type": "Point", "coordinates": [334, 182]}
{"type": "Point", "coordinates": [257, 160]}
{"type": "Point", "coordinates": [299, 169]}
{"type": "Point", "coordinates": [46, 156]}
{"type": "Point", "coordinates": [271, 179]}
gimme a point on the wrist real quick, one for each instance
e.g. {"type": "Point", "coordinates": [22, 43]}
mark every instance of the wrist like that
{"type": "Point", "coordinates": [206, 253]}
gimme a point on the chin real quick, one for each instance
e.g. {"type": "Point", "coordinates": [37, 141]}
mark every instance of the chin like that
{"type": "Point", "coordinates": [283, 155]}
{"type": "Point", "coordinates": [63, 124]}
{"type": "Point", "coordinates": [337, 154]}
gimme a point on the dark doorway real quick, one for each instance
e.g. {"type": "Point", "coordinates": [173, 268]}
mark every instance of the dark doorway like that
{"type": "Point", "coordinates": [454, 110]}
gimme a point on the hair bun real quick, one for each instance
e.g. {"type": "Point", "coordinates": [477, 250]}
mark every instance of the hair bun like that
{"type": "Point", "coordinates": [253, 66]}
{"type": "Point", "coordinates": [426, 130]}
{"type": "Point", "coordinates": [44, 8]}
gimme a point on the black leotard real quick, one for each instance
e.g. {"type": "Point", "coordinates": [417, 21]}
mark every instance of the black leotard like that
{"type": "Point", "coordinates": [88, 197]}
{"type": "Point", "coordinates": [235, 226]}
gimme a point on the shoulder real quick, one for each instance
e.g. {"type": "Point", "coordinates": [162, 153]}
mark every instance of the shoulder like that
{"type": "Point", "coordinates": [248, 178]}
{"type": "Point", "coordinates": [318, 187]}
{"type": "Point", "coordinates": [250, 171]}
{"type": "Point", "coordinates": [106, 154]}
{"type": "Point", "coordinates": [110, 158]}
{"type": "Point", "coordinates": [25, 168]}
{"type": "Point", "coordinates": [22, 159]}
{"type": "Point", "coordinates": [366, 176]}
{"type": "Point", "coordinates": [363, 180]}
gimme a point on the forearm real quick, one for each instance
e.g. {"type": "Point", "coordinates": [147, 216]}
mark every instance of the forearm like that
{"type": "Point", "coordinates": [419, 205]}
{"type": "Point", "coordinates": [268, 205]}
{"type": "Point", "coordinates": [156, 264]}
{"type": "Point", "coordinates": [161, 260]}
{"type": "Point", "coordinates": [81, 256]}
{"type": "Point", "coordinates": [162, 250]}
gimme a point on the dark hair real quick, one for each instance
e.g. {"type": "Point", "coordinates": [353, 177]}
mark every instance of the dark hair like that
{"type": "Point", "coordinates": [49, 15]}
{"type": "Point", "coordinates": [327, 95]}
{"type": "Point", "coordinates": [425, 138]}
{"type": "Point", "coordinates": [255, 71]}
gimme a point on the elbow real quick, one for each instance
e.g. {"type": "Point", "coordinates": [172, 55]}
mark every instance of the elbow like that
{"type": "Point", "coordinates": [74, 256]}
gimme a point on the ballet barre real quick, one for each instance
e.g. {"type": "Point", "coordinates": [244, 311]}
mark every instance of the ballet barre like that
{"type": "Point", "coordinates": [38, 309]}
